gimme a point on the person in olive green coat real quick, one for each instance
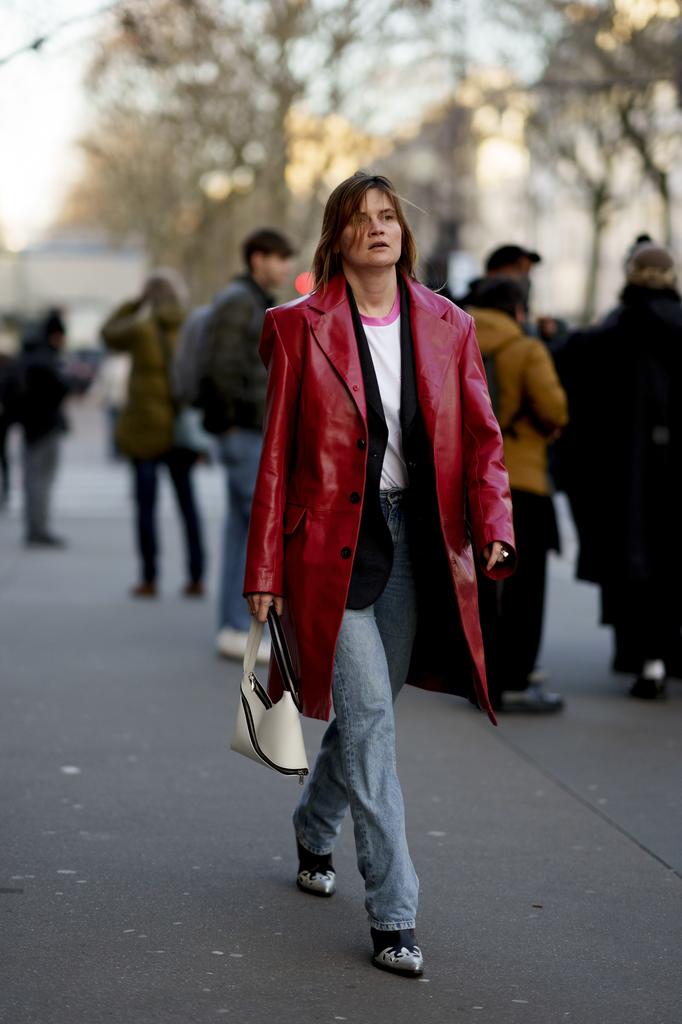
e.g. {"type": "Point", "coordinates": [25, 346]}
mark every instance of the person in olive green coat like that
{"type": "Point", "coordinates": [147, 328]}
{"type": "Point", "coordinates": [531, 407]}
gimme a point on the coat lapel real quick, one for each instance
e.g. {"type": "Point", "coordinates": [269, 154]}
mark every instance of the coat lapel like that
{"type": "Point", "coordinates": [434, 342]}
{"type": "Point", "coordinates": [433, 338]}
{"type": "Point", "coordinates": [332, 326]}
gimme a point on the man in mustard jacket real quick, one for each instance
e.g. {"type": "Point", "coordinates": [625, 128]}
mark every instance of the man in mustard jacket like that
{"type": "Point", "coordinates": [531, 408]}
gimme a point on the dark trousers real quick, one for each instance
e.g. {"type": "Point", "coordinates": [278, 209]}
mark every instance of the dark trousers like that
{"type": "Point", "coordinates": [512, 611]}
{"type": "Point", "coordinates": [179, 464]}
{"type": "Point", "coordinates": [4, 462]}
{"type": "Point", "coordinates": [646, 621]}
{"type": "Point", "coordinates": [41, 460]}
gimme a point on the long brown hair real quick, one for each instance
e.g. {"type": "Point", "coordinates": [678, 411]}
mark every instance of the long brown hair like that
{"type": "Point", "coordinates": [341, 208]}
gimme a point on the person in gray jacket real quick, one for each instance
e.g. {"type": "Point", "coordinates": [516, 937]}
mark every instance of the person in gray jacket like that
{"type": "Point", "coordinates": [232, 386]}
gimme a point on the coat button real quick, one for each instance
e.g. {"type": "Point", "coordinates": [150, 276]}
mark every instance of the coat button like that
{"type": "Point", "coordinates": [346, 552]}
{"type": "Point", "coordinates": [356, 387]}
{"type": "Point", "coordinates": [362, 444]}
{"type": "Point", "coordinates": [355, 498]}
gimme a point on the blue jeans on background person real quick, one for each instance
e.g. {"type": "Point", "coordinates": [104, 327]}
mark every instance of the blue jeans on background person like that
{"type": "Point", "coordinates": [357, 760]}
{"type": "Point", "coordinates": [240, 454]}
{"type": "Point", "coordinates": [179, 463]}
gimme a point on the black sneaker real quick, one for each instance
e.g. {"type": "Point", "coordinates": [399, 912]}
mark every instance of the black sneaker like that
{"type": "Point", "coordinates": [397, 952]}
{"type": "Point", "coordinates": [648, 689]}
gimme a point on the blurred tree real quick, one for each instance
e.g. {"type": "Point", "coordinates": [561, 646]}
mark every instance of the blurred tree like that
{"type": "Point", "coordinates": [623, 55]}
{"type": "Point", "coordinates": [606, 103]}
{"type": "Point", "coordinates": [199, 108]}
{"type": "Point", "coordinates": [578, 137]}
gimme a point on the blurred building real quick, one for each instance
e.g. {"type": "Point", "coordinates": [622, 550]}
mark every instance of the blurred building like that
{"type": "Point", "coordinates": [76, 270]}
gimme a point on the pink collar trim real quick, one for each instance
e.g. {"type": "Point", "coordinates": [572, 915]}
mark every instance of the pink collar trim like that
{"type": "Point", "coordinates": [384, 321]}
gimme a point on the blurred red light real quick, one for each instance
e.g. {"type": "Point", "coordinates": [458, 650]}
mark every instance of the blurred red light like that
{"type": "Point", "coordinates": [304, 283]}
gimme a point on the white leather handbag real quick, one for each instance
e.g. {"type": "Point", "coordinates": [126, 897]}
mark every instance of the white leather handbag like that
{"type": "Point", "coordinates": [267, 732]}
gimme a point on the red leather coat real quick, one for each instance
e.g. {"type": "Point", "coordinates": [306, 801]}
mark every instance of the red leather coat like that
{"type": "Point", "coordinates": [304, 526]}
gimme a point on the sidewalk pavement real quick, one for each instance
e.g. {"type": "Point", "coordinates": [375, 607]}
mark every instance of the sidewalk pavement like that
{"type": "Point", "coordinates": [146, 872]}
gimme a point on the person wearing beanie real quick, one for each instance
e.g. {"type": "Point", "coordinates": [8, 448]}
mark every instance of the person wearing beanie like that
{"type": "Point", "coordinates": [41, 389]}
{"type": "Point", "coordinates": [619, 464]}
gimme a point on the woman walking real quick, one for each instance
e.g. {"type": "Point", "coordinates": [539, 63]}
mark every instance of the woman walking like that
{"type": "Point", "coordinates": [378, 432]}
{"type": "Point", "coordinates": [148, 328]}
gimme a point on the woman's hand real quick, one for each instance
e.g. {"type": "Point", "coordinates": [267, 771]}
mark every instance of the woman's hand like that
{"type": "Point", "coordinates": [259, 605]}
{"type": "Point", "coordinates": [495, 554]}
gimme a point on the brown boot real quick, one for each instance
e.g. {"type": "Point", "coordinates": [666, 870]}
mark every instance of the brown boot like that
{"type": "Point", "coordinates": [195, 589]}
{"type": "Point", "coordinates": [144, 590]}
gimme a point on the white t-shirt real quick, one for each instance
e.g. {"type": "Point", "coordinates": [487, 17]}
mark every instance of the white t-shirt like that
{"type": "Point", "coordinates": [383, 338]}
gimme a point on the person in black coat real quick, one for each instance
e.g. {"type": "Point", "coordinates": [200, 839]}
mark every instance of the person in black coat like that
{"type": "Point", "coordinates": [8, 385]}
{"type": "Point", "coordinates": [619, 463]}
{"type": "Point", "coordinates": [42, 390]}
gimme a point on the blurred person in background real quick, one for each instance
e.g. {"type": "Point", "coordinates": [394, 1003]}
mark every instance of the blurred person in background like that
{"type": "Point", "coordinates": [514, 262]}
{"type": "Point", "coordinates": [531, 408]}
{"type": "Point", "coordinates": [42, 387]}
{"type": "Point", "coordinates": [188, 356]}
{"type": "Point", "coordinates": [508, 261]}
{"type": "Point", "coordinates": [186, 381]}
{"type": "Point", "coordinates": [619, 462]}
{"type": "Point", "coordinates": [232, 383]}
{"type": "Point", "coordinates": [111, 387]}
{"type": "Point", "coordinates": [8, 383]}
{"type": "Point", "coordinates": [378, 422]}
{"type": "Point", "coordinates": [147, 328]}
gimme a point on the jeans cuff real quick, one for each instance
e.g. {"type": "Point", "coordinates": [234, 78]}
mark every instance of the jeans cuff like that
{"type": "Point", "coordinates": [407, 924]}
{"type": "Point", "coordinates": [312, 849]}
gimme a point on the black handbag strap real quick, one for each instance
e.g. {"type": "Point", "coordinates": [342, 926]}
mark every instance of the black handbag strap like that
{"type": "Point", "coordinates": [282, 656]}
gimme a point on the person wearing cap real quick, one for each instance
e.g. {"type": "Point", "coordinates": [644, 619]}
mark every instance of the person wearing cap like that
{"type": "Point", "coordinates": [531, 408]}
{"type": "Point", "coordinates": [512, 261]}
{"type": "Point", "coordinates": [508, 261]}
{"type": "Point", "coordinates": [232, 385]}
{"type": "Point", "coordinates": [619, 464]}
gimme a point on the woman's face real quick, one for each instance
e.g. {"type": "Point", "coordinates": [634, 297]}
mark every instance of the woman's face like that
{"type": "Point", "coordinates": [373, 238]}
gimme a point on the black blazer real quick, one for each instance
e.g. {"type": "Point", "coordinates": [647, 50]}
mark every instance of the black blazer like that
{"type": "Point", "coordinates": [374, 551]}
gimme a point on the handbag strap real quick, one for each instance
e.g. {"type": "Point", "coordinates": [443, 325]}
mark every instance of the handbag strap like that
{"type": "Point", "coordinates": [282, 655]}
{"type": "Point", "coordinates": [280, 649]}
{"type": "Point", "coordinates": [253, 642]}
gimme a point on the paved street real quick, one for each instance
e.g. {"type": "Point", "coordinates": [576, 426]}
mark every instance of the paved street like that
{"type": "Point", "coordinates": [146, 872]}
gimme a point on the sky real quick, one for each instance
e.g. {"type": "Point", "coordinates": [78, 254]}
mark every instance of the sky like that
{"type": "Point", "coordinates": [42, 111]}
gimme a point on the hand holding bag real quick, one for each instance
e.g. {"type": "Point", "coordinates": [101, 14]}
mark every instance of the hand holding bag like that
{"type": "Point", "coordinates": [266, 732]}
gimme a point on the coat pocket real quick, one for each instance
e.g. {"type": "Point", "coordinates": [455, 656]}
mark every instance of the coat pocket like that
{"type": "Point", "coordinates": [293, 517]}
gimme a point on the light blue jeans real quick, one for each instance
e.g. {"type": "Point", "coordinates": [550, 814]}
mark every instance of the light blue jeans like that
{"type": "Point", "coordinates": [357, 762]}
{"type": "Point", "coordinates": [240, 454]}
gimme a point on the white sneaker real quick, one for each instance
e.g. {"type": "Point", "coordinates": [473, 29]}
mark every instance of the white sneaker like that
{"type": "Point", "coordinates": [231, 643]}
